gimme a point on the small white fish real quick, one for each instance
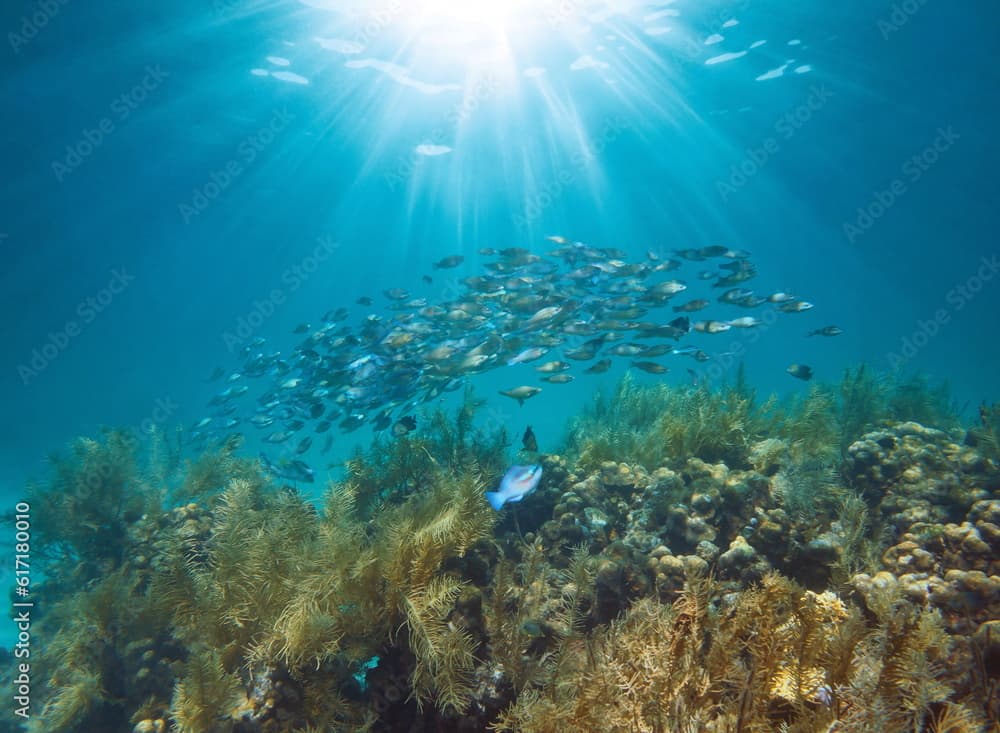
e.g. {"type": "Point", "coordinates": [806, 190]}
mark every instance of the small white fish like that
{"type": "Point", "coordinates": [527, 355]}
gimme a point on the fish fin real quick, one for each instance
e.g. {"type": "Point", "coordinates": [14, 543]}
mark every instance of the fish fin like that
{"type": "Point", "coordinates": [495, 499]}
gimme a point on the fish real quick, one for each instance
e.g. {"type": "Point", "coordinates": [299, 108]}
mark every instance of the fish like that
{"type": "Point", "coordinates": [626, 349]}
{"type": "Point", "coordinates": [427, 279]}
{"type": "Point", "coordinates": [558, 378]}
{"type": "Point", "coordinates": [552, 366]}
{"type": "Point", "coordinates": [800, 371]}
{"type": "Point", "coordinates": [691, 306]}
{"type": "Point", "coordinates": [449, 262]}
{"type": "Point", "coordinates": [354, 368]}
{"type": "Point", "coordinates": [528, 440]}
{"type": "Point", "coordinates": [599, 367]}
{"type": "Point", "coordinates": [744, 322]}
{"type": "Point", "coordinates": [293, 470]}
{"type": "Point", "coordinates": [526, 355]}
{"type": "Point", "coordinates": [735, 296]}
{"type": "Point", "coordinates": [404, 425]}
{"type": "Point", "coordinates": [795, 306]}
{"type": "Point", "coordinates": [650, 366]}
{"type": "Point", "coordinates": [826, 331]}
{"type": "Point", "coordinates": [517, 483]}
{"type": "Point", "coordinates": [521, 393]}
{"type": "Point", "coordinates": [711, 326]}
{"type": "Point", "coordinates": [217, 373]}
{"type": "Point", "coordinates": [780, 297]}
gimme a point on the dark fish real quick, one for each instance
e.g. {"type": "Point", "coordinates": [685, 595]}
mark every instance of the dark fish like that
{"type": "Point", "coordinates": [352, 422]}
{"type": "Point", "coordinates": [427, 279]}
{"type": "Point", "coordinates": [657, 350]}
{"type": "Point", "coordinates": [714, 250]}
{"type": "Point", "coordinates": [826, 331]}
{"type": "Point", "coordinates": [382, 420]}
{"type": "Point", "coordinates": [599, 367]}
{"type": "Point", "coordinates": [735, 295]}
{"type": "Point", "coordinates": [216, 374]}
{"type": "Point", "coordinates": [364, 300]}
{"type": "Point", "coordinates": [692, 255]}
{"type": "Point", "coordinates": [449, 262]}
{"type": "Point", "coordinates": [528, 440]}
{"type": "Point", "coordinates": [293, 470]}
{"type": "Point", "coordinates": [404, 425]}
{"type": "Point", "coordinates": [338, 314]}
{"type": "Point", "coordinates": [302, 328]}
{"type": "Point", "coordinates": [800, 371]}
{"type": "Point", "coordinates": [650, 366]}
{"type": "Point", "coordinates": [323, 426]}
{"type": "Point", "coordinates": [304, 445]}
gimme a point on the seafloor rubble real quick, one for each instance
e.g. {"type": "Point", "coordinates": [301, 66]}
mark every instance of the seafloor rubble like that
{"type": "Point", "coordinates": [691, 561]}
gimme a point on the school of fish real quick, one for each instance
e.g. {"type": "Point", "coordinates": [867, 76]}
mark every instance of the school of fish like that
{"type": "Point", "coordinates": [576, 303]}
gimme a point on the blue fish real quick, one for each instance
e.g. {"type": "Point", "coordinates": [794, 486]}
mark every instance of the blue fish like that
{"type": "Point", "coordinates": [517, 483]}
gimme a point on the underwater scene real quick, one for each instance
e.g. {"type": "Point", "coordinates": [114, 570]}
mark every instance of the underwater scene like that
{"type": "Point", "coordinates": [511, 365]}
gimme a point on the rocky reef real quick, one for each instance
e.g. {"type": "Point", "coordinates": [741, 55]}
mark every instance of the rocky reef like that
{"type": "Point", "coordinates": [692, 560]}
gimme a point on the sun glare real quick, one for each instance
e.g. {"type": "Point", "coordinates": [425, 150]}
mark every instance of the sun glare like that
{"type": "Point", "coordinates": [469, 14]}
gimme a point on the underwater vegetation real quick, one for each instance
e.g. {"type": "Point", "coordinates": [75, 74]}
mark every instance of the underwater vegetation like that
{"type": "Point", "coordinates": [692, 560]}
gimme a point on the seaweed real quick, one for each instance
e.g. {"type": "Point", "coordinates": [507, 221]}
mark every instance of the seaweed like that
{"type": "Point", "coordinates": [82, 513]}
{"type": "Point", "coordinates": [776, 658]}
{"type": "Point", "coordinates": [986, 434]}
{"type": "Point", "coordinates": [203, 690]}
{"type": "Point", "coordinates": [391, 469]}
{"type": "Point", "coordinates": [862, 541]}
{"type": "Point", "coordinates": [394, 599]}
{"type": "Point", "coordinates": [659, 425]}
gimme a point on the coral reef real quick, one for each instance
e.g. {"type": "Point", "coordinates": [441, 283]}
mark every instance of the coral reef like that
{"type": "Point", "coordinates": [691, 560]}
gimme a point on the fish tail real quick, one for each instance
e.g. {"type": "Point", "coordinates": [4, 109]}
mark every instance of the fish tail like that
{"type": "Point", "coordinates": [495, 499]}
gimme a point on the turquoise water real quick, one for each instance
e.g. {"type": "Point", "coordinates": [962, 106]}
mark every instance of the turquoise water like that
{"type": "Point", "coordinates": [169, 170]}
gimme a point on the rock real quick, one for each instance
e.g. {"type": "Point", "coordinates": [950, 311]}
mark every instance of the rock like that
{"type": "Point", "coordinates": [595, 518]}
{"type": "Point", "coordinates": [694, 565]}
{"type": "Point", "coordinates": [150, 725]}
{"type": "Point", "coordinates": [707, 551]}
{"type": "Point", "coordinates": [987, 637]}
{"type": "Point", "coordinates": [696, 530]}
{"type": "Point", "coordinates": [739, 556]}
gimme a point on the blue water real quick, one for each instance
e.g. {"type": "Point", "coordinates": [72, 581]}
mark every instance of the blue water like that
{"type": "Point", "coordinates": [634, 149]}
